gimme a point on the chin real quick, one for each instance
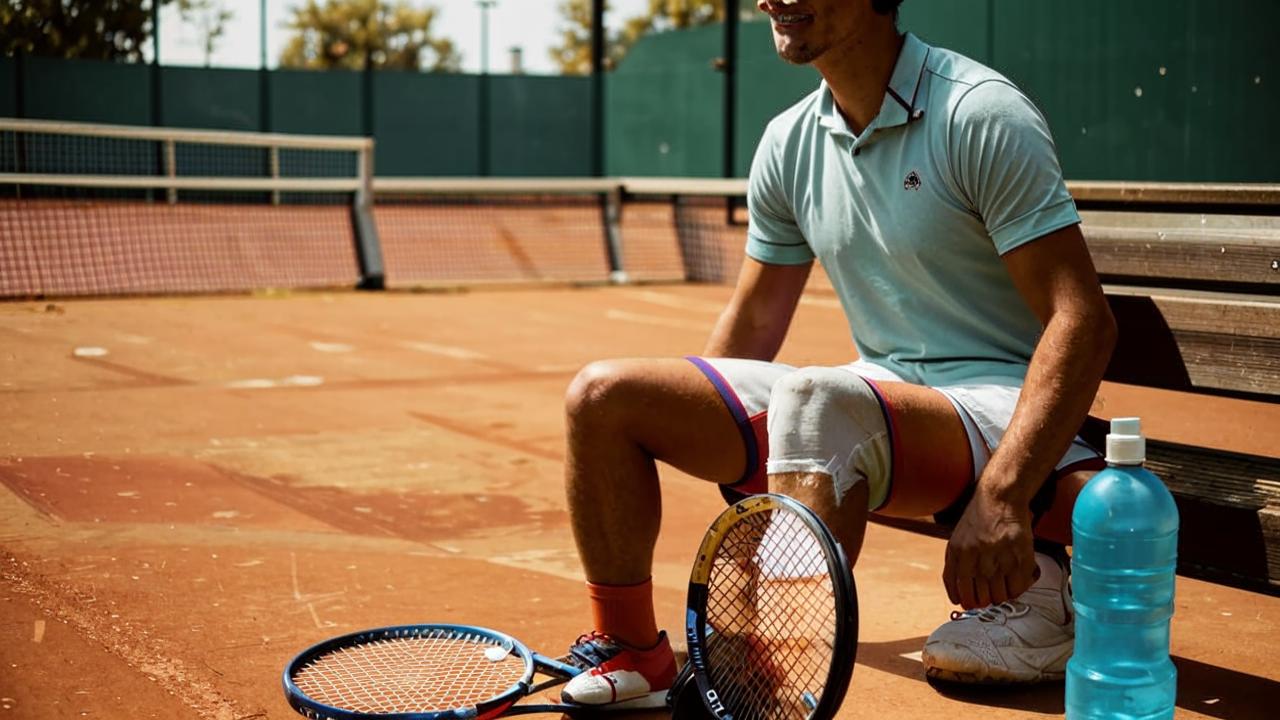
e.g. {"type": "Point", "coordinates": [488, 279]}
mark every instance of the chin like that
{"type": "Point", "coordinates": [797, 54]}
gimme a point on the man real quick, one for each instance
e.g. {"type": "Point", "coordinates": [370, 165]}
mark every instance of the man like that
{"type": "Point", "coordinates": [928, 187]}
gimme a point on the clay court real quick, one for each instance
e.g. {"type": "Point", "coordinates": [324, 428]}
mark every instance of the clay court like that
{"type": "Point", "coordinates": [196, 488]}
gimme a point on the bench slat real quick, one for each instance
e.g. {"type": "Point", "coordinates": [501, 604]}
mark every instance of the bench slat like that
{"type": "Point", "coordinates": [1154, 248]}
{"type": "Point", "coordinates": [1174, 193]}
{"type": "Point", "coordinates": [1196, 341]}
{"type": "Point", "coordinates": [1230, 504]}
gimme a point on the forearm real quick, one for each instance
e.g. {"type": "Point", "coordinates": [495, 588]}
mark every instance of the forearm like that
{"type": "Point", "coordinates": [1062, 380]}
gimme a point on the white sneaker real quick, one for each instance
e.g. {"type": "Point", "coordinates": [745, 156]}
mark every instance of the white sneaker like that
{"type": "Point", "coordinates": [1025, 640]}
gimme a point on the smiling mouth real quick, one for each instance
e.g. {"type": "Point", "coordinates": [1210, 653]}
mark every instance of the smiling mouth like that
{"type": "Point", "coordinates": [786, 19]}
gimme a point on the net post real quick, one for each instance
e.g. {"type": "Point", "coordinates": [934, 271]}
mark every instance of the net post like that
{"type": "Point", "coordinates": [611, 214]}
{"type": "Point", "coordinates": [171, 169]}
{"type": "Point", "coordinates": [684, 241]}
{"type": "Point", "coordinates": [274, 160]}
{"type": "Point", "coordinates": [368, 248]}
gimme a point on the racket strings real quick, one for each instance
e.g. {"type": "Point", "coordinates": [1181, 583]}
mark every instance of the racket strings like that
{"type": "Point", "coordinates": [772, 617]}
{"type": "Point", "coordinates": [416, 672]}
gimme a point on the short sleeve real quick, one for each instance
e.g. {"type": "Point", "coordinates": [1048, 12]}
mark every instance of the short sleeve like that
{"type": "Point", "coordinates": [772, 233]}
{"type": "Point", "coordinates": [1003, 158]}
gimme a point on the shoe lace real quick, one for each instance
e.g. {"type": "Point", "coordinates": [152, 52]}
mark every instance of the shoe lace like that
{"type": "Point", "coordinates": [994, 613]}
{"type": "Point", "coordinates": [593, 636]}
{"type": "Point", "coordinates": [592, 649]}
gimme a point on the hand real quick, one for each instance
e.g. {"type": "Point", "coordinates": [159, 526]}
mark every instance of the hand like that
{"type": "Point", "coordinates": [990, 558]}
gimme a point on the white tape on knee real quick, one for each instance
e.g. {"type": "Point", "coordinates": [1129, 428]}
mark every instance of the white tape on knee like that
{"type": "Point", "coordinates": [824, 420]}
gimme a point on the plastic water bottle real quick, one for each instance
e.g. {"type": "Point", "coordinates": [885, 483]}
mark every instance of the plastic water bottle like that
{"type": "Point", "coordinates": [1124, 553]}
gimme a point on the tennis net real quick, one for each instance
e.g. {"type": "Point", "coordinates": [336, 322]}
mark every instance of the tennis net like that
{"type": "Point", "coordinates": [445, 231]}
{"type": "Point", "coordinates": [104, 210]}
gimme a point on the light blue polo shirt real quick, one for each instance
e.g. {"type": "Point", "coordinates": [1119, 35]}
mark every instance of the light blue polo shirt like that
{"type": "Point", "coordinates": [910, 217]}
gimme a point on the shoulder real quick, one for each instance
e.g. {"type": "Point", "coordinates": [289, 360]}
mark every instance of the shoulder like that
{"type": "Point", "coordinates": [971, 94]}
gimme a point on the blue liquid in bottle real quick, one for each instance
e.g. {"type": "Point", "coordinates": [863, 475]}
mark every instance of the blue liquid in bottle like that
{"type": "Point", "coordinates": [1125, 542]}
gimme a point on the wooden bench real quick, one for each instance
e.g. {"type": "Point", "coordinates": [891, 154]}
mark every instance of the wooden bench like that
{"type": "Point", "coordinates": [1192, 273]}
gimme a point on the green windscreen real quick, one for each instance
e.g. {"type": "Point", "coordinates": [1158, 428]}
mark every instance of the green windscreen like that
{"type": "Point", "coordinates": [8, 87]}
{"type": "Point", "coordinates": [87, 91]}
{"type": "Point", "coordinates": [213, 98]}
{"type": "Point", "coordinates": [426, 124]}
{"type": "Point", "coordinates": [664, 106]}
{"type": "Point", "coordinates": [316, 103]}
{"type": "Point", "coordinates": [540, 125]}
{"type": "Point", "coordinates": [1151, 90]}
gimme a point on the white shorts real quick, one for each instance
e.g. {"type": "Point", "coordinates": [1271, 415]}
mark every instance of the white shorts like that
{"type": "Point", "coordinates": [985, 408]}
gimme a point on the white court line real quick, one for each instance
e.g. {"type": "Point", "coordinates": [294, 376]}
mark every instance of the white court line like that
{"type": "Point", "coordinates": [267, 383]}
{"type": "Point", "coordinates": [331, 347]}
{"type": "Point", "coordinates": [613, 314]}
{"type": "Point", "coordinates": [293, 571]}
{"type": "Point", "coordinates": [912, 655]}
{"type": "Point", "coordinates": [252, 384]}
{"type": "Point", "coordinates": [446, 350]}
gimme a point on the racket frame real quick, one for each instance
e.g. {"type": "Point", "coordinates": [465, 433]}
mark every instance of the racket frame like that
{"type": "Point", "coordinates": [500, 704]}
{"type": "Point", "coordinates": [845, 651]}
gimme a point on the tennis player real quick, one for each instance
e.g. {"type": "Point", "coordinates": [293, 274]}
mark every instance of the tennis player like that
{"type": "Point", "coordinates": [928, 188]}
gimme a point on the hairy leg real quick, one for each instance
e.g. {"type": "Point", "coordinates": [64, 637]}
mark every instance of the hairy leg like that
{"type": "Point", "coordinates": [847, 519]}
{"type": "Point", "coordinates": [622, 416]}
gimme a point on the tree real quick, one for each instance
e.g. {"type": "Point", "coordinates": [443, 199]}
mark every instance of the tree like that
{"type": "Point", "coordinates": [210, 19]}
{"type": "Point", "coordinates": [96, 29]}
{"type": "Point", "coordinates": [573, 55]}
{"type": "Point", "coordinates": [349, 33]}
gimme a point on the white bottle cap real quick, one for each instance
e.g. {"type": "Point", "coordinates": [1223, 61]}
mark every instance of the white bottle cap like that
{"type": "Point", "coordinates": [1125, 444]}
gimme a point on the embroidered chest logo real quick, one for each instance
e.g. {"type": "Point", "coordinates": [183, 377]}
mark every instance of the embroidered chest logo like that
{"type": "Point", "coordinates": [912, 182]}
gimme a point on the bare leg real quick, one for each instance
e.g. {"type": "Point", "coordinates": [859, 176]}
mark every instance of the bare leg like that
{"type": "Point", "coordinates": [847, 519]}
{"type": "Point", "coordinates": [623, 415]}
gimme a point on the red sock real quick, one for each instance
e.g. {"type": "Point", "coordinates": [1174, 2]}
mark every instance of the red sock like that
{"type": "Point", "coordinates": [625, 613]}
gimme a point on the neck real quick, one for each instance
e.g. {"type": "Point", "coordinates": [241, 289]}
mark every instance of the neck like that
{"type": "Point", "coordinates": [858, 72]}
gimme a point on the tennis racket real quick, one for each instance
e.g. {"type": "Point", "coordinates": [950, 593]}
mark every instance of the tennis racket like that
{"type": "Point", "coordinates": [772, 621]}
{"type": "Point", "coordinates": [422, 672]}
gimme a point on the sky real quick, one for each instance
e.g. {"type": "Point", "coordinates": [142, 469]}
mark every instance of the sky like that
{"type": "Point", "coordinates": [530, 24]}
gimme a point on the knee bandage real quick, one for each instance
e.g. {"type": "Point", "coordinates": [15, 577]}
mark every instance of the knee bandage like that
{"type": "Point", "coordinates": [824, 420]}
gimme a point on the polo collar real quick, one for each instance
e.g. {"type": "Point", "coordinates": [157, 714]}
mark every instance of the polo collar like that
{"type": "Point", "coordinates": [903, 98]}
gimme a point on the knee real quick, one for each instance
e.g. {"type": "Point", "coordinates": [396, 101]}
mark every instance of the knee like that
{"type": "Point", "coordinates": [818, 390]}
{"type": "Point", "coordinates": [598, 391]}
{"type": "Point", "coordinates": [800, 385]}
{"type": "Point", "coordinates": [825, 420]}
